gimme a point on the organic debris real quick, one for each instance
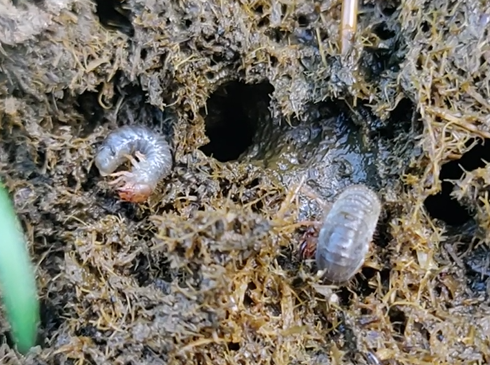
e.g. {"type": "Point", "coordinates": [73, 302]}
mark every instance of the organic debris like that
{"type": "Point", "coordinates": [256, 98]}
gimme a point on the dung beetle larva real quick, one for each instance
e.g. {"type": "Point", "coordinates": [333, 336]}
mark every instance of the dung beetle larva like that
{"type": "Point", "coordinates": [152, 160]}
{"type": "Point", "coordinates": [346, 233]}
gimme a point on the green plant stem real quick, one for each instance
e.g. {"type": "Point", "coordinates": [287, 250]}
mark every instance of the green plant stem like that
{"type": "Point", "coordinates": [17, 279]}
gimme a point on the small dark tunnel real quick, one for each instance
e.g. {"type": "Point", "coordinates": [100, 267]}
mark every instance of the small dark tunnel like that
{"type": "Point", "coordinates": [234, 114]}
{"type": "Point", "coordinates": [442, 206]}
{"type": "Point", "coordinates": [112, 15]}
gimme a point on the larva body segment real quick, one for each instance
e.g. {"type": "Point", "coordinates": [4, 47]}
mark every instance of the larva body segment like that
{"type": "Point", "coordinates": [154, 160]}
{"type": "Point", "coordinates": [346, 233]}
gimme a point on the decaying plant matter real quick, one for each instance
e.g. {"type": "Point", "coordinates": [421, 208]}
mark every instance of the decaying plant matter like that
{"type": "Point", "coordinates": [206, 271]}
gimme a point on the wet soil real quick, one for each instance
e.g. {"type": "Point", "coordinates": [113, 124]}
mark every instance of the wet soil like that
{"type": "Point", "coordinates": [254, 97]}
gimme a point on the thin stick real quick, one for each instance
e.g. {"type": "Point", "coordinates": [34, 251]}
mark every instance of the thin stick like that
{"type": "Point", "coordinates": [348, 25]}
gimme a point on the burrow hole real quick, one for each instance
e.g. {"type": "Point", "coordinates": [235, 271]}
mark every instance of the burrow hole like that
{"type": "Point", "coordinates": [398, 320]}
{"type": "Point", "coordinates": [234, 114]}
{"type": "Point", "coordinates": [112, 15]}
{"type": "Point", "coordinates": [442, 206]}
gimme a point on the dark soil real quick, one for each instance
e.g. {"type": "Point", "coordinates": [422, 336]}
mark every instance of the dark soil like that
{"type": "Point", "coordinates": [254, 97]}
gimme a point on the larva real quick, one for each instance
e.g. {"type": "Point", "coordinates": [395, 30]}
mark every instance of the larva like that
{"type": "Point", "coordinates": [346, 233]}
{"type": "Point", "coordinates": [152, 160]}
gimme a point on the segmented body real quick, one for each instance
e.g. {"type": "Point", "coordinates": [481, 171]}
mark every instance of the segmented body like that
{"type": "Point", "coordinates": [346, 233]}
{"type": "Point", "coordinates": [153, 160]}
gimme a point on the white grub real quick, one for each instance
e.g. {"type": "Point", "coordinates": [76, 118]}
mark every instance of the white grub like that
{"type": "Point", "coordinates": [149, 153]}
{"type": "Point", "coordinates": [346, 233]}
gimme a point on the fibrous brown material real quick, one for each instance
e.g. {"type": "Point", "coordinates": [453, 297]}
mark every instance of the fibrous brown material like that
{"type": "Point", "coordinates": [255, 98]}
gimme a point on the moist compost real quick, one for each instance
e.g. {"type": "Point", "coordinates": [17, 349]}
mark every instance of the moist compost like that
{"type": "Point", "coordinates": [254, 98]}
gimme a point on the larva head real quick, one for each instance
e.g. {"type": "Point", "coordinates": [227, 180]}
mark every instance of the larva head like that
{"type": "Point", "coordinates": [106, 160]}
{"type": "Point", "coordinates": [307, 247]}
{"type": "Point", "coordinates": [135, 193]}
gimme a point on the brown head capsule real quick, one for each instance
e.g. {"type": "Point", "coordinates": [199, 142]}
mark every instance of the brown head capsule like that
{"type": "Point", "coordinates": [346, 233]}
{"type": "Point", "coordinates": [154, 161]}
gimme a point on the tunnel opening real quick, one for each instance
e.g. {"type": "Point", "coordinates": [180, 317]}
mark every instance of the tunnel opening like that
{"type": "Point", "coordinates": [444, 207]}
{"type": "Point", "coordinates": [114, 15]}
{"type": "Point", "coordinates": [234, 113]}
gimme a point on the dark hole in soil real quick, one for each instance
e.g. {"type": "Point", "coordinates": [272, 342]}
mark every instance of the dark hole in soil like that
{"type": "Point", "coordinates": [345, 295]}
{"type": "Point", "coordinates": [398, 320]}
{"type": "Point", "coordinates": [442, 206]}
{"type": "Point", "coordinates": [233, 346]}
{"type": "Point", "coordinates": [303, 21]}
{"type": "Point", "coordinates": [113, 16]}
{"type": "Point", "coordinates": [382, 236]}
{"type": "Point", "coordinates": [234, 113]}
{"type": "Point", "coordinates": [401, 116]}
{"type": "Point", "coordinates": [382, 31]}
{"type": "Point", "coordinates": [51, 320]}
{"type": "Point", "coordinates": [87, 104]}
{"type": "Point", "coordinates": [376, 60]}
{"type": "Point", "coordinates": [388, 10]}
{"type": "Point", "coordinates": [397, 125]}
{"type": "Point", "coordinates": [367, 273]}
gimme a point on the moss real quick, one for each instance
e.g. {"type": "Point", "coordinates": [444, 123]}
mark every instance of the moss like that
{"type": "Point", "coordinates": [208, 271]}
